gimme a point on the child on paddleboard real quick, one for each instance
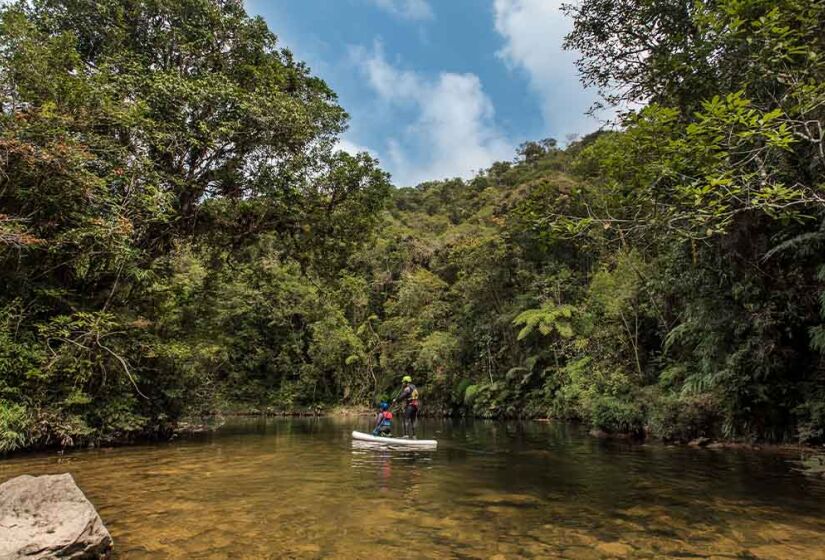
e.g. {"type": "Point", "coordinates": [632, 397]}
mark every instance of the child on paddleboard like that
{"type": "Point", "coordinates": [383, 422]}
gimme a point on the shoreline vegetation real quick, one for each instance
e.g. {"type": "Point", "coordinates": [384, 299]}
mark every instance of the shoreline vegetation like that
{"type": "Point", "coordinates": [178, 231]}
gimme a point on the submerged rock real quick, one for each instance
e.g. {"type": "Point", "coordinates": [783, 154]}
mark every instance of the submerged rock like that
{"type": "Point", "coordinates": [614, 548]}
{"type": "Point", "coordinates": [48, 516]}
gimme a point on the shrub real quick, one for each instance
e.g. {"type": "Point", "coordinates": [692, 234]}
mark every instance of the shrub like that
{"type": "Point", "coordinates": [616, 414]}
{"type": "Point", "coordinates": [675, 417]}
{"type": "Point", "coordinates": [811, 415]}
{"type": "Point", "coordinates": [15, 424]}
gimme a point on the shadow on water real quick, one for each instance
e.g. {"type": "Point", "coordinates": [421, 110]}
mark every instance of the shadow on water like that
{"type": "Point", "coordinates": [300, 488]}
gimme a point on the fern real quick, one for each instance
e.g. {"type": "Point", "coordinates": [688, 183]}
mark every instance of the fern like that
{"type": "Point", "coordinates": [803, 245]}
{"type": "Point", "coordinates": [676, 333]}
{"type": "Point", "coordinates": [818, 338]}
{"type": "Point", "coordinates": [547, 319]}
{"type": "Point", "coordinates": [698, 383]}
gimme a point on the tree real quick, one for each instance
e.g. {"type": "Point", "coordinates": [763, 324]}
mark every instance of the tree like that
{"type": "Point", "coordinates": [145, 142]}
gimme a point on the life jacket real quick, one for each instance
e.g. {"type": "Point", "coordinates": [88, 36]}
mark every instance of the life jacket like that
{"type": "Point", "coordinates": [412, 398]}
{"type": "Point", "coordinates": [386, 418]}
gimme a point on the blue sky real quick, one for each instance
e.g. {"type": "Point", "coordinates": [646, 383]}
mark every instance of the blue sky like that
{"type": "Point", "coordinates": [439, 88]}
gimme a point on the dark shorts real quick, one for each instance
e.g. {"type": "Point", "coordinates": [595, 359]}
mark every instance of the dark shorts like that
{"type": "Point", "coordinates": [411, 412]}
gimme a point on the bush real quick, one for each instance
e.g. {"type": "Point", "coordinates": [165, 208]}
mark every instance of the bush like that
{"type": "Point", "coordinates": [811, 415]}
{"type": "Point", "coordinates": [616, 414]}
{"type": "Point", "coordinates": [15, 425]}
{"type": "Point", "coordinates": [674, 417]}
{"type": "Point", "coordinates": [470, 395]}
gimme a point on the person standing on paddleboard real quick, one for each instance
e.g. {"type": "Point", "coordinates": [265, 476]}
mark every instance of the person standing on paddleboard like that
{"type": "Point", "coordinates": [409, 394]}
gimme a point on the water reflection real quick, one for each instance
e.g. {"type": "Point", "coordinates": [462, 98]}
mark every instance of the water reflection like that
{"type": "Point", "coordinates": [382, 462]}
{"type": "Point", "coordinates": [301, 488]}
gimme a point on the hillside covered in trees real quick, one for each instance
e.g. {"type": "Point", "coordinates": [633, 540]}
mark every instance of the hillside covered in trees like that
{"type": "Point", "coordinates": [179, 234]}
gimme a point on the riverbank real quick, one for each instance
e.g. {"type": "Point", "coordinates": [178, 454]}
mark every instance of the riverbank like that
{"type": "Point", "coordinates": [212, 422]}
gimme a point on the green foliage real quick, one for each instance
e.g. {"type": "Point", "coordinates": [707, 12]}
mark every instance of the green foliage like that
{"type": "Point", "coordinates": [616, 291]}
{"type": "Point", "coordinates": [169, 183]}
{"type": "Point", "coordinates": [811, 416]}
{"type": "Point", "coordinates": [547, 320]}
{"type": "Point", "coordinates": [682, 418]}
{"type": "Point", "coordinates": [616, 414]}
{"type": "Point", "coordinates": [653, 274]}
{"type": "Point", "coordinates": [438, 351]}
{"type": "Point", "coordinates": [178, 234]}
{"type": "Point", "coordinates": [14, 425]}
{"type": "Point", "coordinates": [469, 395]}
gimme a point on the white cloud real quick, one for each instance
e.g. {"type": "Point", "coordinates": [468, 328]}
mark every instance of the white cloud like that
{"type": "Point", "coordinates": [353, 148]}
{"type": "Point", "coordinates": [416, 10]}
{"type": "Point", "coordinates": [452, 132]}
{"type": "Point", "coordinates": [534, 31]}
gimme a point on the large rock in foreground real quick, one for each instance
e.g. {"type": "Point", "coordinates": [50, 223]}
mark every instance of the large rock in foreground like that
{"type": "Point", "coordinates": [49, 517]}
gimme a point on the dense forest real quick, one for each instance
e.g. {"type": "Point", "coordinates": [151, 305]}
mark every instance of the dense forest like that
{"type": "Point", "coordinates": [179, 234]}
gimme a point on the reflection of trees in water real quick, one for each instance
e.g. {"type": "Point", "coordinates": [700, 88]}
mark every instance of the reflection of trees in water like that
{"type": "Point", "coordinates": [393, 468]}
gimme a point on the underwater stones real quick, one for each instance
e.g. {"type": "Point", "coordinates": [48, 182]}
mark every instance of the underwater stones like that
{"type": "Point", "coordinates": [614, 549]}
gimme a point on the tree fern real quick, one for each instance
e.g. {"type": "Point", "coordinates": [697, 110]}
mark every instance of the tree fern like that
{"type": "Point", "coordinates": [547, 319]}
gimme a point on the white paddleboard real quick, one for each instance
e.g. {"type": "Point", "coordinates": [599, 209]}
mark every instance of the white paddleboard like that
{"type": "Point", "coordinates": [394, 441]}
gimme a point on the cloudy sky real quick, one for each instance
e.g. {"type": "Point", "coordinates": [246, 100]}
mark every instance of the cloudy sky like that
{"type": "Point", "coordinates": [439, 88]}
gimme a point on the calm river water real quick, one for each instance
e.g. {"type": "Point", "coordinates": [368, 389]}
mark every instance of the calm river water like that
{"type": "Point", "coordinates": [298, 488]}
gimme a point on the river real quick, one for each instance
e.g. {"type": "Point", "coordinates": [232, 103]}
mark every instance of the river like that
{"type": "Point", "coordinates": [299, 488]}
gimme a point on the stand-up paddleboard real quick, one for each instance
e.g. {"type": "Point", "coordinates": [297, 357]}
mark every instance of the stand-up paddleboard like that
{"type": "Point", "coordinates": [394, 441]}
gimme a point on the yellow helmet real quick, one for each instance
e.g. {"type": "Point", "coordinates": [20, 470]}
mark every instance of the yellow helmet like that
{"type": "Point", "coordinates": [406, 379]}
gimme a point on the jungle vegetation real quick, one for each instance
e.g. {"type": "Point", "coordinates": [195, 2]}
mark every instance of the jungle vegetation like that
{"type": "Point", "coordinates": [179, 234]}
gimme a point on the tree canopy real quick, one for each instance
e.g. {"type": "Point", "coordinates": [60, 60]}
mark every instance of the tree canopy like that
{"type": "Point", "coordinates": [179, 235]}
{"type": "Point", "coordinates": [147, 148]}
